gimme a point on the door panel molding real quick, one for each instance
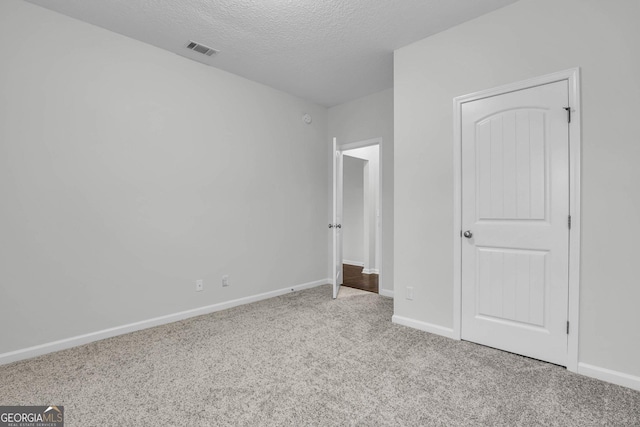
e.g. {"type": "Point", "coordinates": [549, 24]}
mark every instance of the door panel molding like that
{"type": "Point", "coordinates": [572, 77]}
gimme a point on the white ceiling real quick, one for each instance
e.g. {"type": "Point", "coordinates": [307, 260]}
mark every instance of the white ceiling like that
{"type": "Point", "coordinates": [325, 51]}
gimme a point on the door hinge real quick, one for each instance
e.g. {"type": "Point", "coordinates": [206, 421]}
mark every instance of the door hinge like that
{"type": "Point", "coordinates": [568, 114]}
{"type": "Point", "coordinates": [567, 327]}
{"type": "Point", "coordinates": [569, 222]}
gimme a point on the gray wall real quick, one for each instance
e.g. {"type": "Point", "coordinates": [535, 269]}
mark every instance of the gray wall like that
{"type": "Point", "coordinates": [367, 118]}
{"type": "Point", "coordinates": [527, 39]}
{"type": "Point", "coordinates": [353, 207]}
{"type": "Point", "coordinates": [128, 172]}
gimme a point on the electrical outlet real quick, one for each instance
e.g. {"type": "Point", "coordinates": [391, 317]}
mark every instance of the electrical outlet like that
{"type": "Point", "coordinates": [199, 285]}
{"type": "Point", "coordinates": [409, 294]}
{"type": "Point", "coordinates": [225, 280]}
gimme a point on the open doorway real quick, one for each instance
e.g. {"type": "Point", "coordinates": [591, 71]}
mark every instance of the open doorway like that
{"type": "Point", "coordinates": [361, 215]}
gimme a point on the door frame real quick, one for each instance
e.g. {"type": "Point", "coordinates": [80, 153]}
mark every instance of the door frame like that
{"type": "Point", "coordinates": [572, 76]}
{"type": "Point", "coordinates": [380, 245]}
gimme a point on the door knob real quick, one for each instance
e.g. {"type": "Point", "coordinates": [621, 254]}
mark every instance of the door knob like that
{"type": "Point", "coordinates": [330, 225]}
{"type": "Point", "coordinates": [468, 234]}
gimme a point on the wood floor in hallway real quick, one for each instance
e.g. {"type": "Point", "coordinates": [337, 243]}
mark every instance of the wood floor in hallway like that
{"type": "Point", "coordinates": [354, 278]}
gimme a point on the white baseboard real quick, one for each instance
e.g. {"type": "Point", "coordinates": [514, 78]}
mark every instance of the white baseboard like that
{"type": "Point", "coordinates": [423, 326]}
{"type": "Point", "coordinates": [609, 375]}
{"type": "Point", "coordinates": [38, 350]}
{"type": "Point", "coordinates": [385, 293]}
{"type": "Point", "coordinates": [356, 263]}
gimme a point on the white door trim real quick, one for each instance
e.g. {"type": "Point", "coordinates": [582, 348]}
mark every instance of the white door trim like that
{"type": "Point", "coordinates": [337, 217]}
{"type": "Point", "coordinates": [362, 144]}
{"type": "Point", "coordinates": [572, 76]}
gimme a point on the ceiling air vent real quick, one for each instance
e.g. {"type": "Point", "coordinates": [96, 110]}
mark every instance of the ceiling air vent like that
{"type": "Point", "coordinates": [200, 48]}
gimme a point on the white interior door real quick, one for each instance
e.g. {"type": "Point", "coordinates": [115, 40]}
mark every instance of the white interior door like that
{"type": "Point", "coordinates": [336, 225]}
{"type": "Point", "coordinates": [515, 211]}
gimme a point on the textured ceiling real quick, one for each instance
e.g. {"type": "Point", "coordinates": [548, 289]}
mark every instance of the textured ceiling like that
{"type": "Point", "coordinates": [325, 51]}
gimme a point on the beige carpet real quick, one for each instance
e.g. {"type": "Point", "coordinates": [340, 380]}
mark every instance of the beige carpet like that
{"type": "Point", "coordinates": [305, 359]}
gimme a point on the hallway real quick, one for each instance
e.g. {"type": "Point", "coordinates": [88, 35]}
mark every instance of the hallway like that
{"type": "Point", "coordinates": [354, 278]}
